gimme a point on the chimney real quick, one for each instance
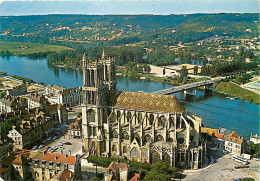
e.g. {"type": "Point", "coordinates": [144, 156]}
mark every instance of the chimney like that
{"type": "Point", "coordinates": [69, 152]}
{"type": "Point", "coordinates": [56, 157]}
{"type": "Point", "coordinates": [66, 156]}
{"type": "Point", "coordinates": [61, 152]}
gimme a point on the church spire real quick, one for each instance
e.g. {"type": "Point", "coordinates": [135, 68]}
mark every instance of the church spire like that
{"type": "Point", "coordinates": [84, 60]}
{"type": "Point", "coordinates": [103, 55]}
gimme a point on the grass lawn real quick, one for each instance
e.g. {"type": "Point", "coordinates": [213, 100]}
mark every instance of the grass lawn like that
{"type": "Point", "coordinates": [236, 91]}
{"type": "Point", "coordinates": [28, 48]}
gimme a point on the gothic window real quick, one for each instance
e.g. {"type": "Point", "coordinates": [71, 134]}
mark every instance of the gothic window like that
{"type": "Point", "coordinates": [166, 158]}
{"type": "Point", "coordinates": [113, 117]}
{"type": "Point", "coordinates": [180, 140]}
{"type": "Point", "coordinates": [118, 115]}
{"type": "Point", "coordinates": [147, 139]}
{"type": "Point", "coordinates": [94, 131]}
{"type": "Point", "coordinates": [125, 135]}
{"type": "Point", "coordinates": [139, 118]}
{"type": "Point", "coordinates": [170, 140]}
{"type": "Point", "coordinates": [183, 125]}
{"type": "Point", "coordinates": [159, 138]}
{"type": "Point", "coordinates": [137, 137]}
{"type": "Point", "coordinates": [171, 122]}
{"type": "Point", "coordinates": [129, 116]}
{"type": "Point", "coordinates": [151, 119]}
{"type": "Point", "coordinates": [124, 149]}
{"type": "Point", "coordinates": [114, 148]}
{"type": "Point", "coordinates": [134, 153]}
{"type": "Point", "coordinates": [114, 134]}
{"type": "Point", "coordinates": [91, 115]}
{"type": "Point", "coordinates": [178, 122]}
{"type": "Point", "coordinates": [155, 157]}
{"type": "Point", "coordinates": [161, 121]}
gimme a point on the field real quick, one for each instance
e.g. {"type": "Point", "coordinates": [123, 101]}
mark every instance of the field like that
{"type": "Point", "coordinates": [21, 48]}
{"type": "Point", "coordinates": [236, 91]}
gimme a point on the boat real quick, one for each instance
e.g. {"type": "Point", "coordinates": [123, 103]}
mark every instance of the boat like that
{"type": "Point", "coordinates": [140, 91]}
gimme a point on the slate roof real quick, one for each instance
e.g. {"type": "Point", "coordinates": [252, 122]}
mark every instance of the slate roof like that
{"type": "Point", "coordinates": [144, 101]}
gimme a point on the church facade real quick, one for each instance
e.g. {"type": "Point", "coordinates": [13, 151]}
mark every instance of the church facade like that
{"type": "Point", "coordinates": [142, 127]}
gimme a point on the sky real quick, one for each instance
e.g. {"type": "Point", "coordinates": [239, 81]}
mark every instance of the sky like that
{"type": "Point", "coordinates": [100, 7]}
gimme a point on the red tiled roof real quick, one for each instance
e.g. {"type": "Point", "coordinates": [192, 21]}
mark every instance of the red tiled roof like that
{"type": "Point", "coordinates": [136, 177]}
{"type": "Point", "coordinates": [1, 170]}
{"type": "Point", "coordinates": [63, 175]}
{"type": "Point", "coordinates": [233, 137]}
{"type": "Point", "coordinates": [19, 160]}
{"type": "Point", "coordinates": [221, 136]}
{"type": "Point", "coordinates": [71, 160]}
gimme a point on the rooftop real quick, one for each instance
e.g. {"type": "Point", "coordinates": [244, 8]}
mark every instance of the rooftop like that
{"type": "Point", "coordinates": [144, 101]}
{"type": "Point", "coordinates": [55, 157]}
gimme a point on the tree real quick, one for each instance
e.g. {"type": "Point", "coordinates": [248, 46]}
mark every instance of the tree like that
{"type": "Point", "coordinates": [161, 171]}
{"type": "Point", "coordinates": [184, 72]}
{"type": "Point", "coordinates": [95, 179]}
{"type": "Point", "coordinates": [196, 70]}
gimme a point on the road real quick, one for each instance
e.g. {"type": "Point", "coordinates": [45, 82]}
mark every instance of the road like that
{"type": "Point", "coordinates": [222, 169]}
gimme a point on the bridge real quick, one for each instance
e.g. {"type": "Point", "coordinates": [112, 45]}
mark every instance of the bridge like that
{"type": "Point", "coordinates": [190, 88]}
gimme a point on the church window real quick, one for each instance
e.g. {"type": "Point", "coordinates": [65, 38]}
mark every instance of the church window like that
{"type": "Point", "coordinates": [125, 135]}
{"type": "Point", "coordinates": [114, 134]}
{"type": "Point", "coordinates": [124, 149]}
{"type": "Point", "coordinates": [134, 153]}
{"type": "Point", "coordinates": [113, 148]}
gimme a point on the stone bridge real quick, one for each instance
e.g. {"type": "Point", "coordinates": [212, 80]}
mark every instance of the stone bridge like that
{"type": "Point", "coordinates": [191, 88]}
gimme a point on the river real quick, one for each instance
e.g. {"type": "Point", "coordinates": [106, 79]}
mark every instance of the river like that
{"type": "Point", "coordinates": [238, 115]}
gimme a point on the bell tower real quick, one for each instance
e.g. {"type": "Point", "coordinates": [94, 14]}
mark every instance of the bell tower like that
{"type": "Point", "coordinates": [93, 102]}
{"type": "Point", "coordinates": [109, 71]}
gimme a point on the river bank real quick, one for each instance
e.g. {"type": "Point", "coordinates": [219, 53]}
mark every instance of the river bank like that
{"type": "Point", "coordinates": [231, 89]}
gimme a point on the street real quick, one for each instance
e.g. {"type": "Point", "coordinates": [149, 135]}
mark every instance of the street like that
{"type": "Point", "coordinates": [222, 169]}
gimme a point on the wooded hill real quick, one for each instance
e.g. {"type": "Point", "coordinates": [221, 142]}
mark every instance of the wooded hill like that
{"type": "Point", "coordinates": [148, 30]}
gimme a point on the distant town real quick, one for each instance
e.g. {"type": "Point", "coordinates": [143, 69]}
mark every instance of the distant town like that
{"type": "Point", "coordinates": [96, 131]}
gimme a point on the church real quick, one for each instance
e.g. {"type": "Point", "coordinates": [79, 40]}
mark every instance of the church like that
{"type": "Point", "coordinates": [141, 127]}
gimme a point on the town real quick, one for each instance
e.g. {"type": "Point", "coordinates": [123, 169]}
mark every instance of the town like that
{"type": "Point", "coordinates": [129, 90]}
{"type": "Point", "coordinates": [50, 132]}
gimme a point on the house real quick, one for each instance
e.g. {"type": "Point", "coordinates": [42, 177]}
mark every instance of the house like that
{"type": "Point", "coordinates": [75, 130]}
{"type": "Point", "coordinates": [70, 97]}
{"type": "Point", "coordinates": [9, 103]}
{"type": "Point", "coordinates": [17, 91]}
{"type": "Point", "coordinates": [5, 147]}
{"type": "Point", "coordinates": [35, 100]}
{"type": "Point", "coordinates": [255, 138]}
{"type": "Point", "coordinates": [53, 90]}
{"type": "Point", "coordinates": [20, 165]}
{"type": "Point", "coordinates": [63, 96]}
{"type": "Point", "coordinates": [63, 175]}
{"type": "Point", "coordinates": [30, 131]}
{"type": "Point", "coordinates": [234, 143]}
{"type": "Point", "coordinates": [117, 171]}
{"type": "Point", "coordinates": [53, 166]}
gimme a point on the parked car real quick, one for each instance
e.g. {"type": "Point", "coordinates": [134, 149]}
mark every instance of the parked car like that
{"type": "Point", "coordinates": [44, 141]}
{"type": "Point", "coordinates": [49, 139]}
{"type": "Point", "coordinates": [35, 147]}
{"type": "Point", "coordinates": [55, 137]}
{"type": "Point", "coordinates": [57, 133]}
{"type": "Point", "coordinates": [41, 146]}
{"type": "Point", "coordinates": [214, 149]}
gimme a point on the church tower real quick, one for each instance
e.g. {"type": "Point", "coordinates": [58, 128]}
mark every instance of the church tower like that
{"type": "Point", "coordinates": [109, 71]}
{"type": "Point", "coordinates": [98, 78]}
{"type": "Point", "coordinates": [92, 108]}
